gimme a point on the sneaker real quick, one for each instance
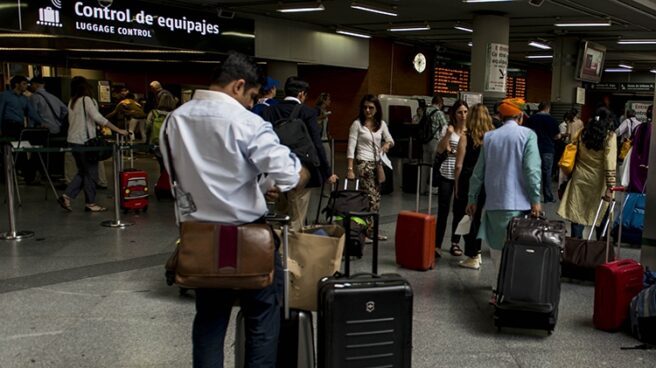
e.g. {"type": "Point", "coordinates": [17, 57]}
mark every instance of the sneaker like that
{"type": "Point", "coordinates": [368, 240]}
{"type": "Point", "coordinates": [473, 263]}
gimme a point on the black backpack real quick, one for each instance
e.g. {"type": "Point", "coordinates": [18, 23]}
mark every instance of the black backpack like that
{"type": "Point", "coordinates": [293, 133]}
{"type": "Point", "coordinates": [426, 131]}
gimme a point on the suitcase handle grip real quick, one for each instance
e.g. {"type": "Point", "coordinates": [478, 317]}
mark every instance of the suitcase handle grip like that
{"type": "Point", "coordinates": [365, 274]}
{"type": "Point", "coordinates": [347, 230]}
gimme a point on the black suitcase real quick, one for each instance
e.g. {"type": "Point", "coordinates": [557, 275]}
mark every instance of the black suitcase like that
{"type": "Point", "coordinates": [528, 289]}
{"type": "Point", "coordinates": [364, 320]}
{"type": "Point", "coordinates": [387, 187]}
{"type": "Point", "coordinates": [296, 338]}
{"type": "Point", "coordinates": [409, 177]}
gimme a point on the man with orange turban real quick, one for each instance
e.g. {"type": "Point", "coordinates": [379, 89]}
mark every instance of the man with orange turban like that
{"type": "Point", "coordinates": [509, 167]}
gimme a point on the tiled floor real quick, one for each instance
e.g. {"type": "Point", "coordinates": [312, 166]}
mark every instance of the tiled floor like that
{"type": "Point", "coordinates": [82, 295]}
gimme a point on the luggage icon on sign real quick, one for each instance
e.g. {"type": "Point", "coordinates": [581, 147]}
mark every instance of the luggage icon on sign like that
{"type": "Point", "coordinates": [49, 17]}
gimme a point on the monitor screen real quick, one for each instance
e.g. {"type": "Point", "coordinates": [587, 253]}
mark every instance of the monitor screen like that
{"type": "Point", "coordinates": [591, 62]}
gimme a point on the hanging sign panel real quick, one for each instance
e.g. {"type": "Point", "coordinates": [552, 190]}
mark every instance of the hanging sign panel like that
{"type": "Point", "coordinates": [496, 68]}
{"type": "Point", "coordinates": [132, 22]}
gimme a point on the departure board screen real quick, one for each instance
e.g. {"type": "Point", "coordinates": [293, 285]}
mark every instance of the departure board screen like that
{"type": "Point", "coordinates": [516, 86]}
{"type": "Point", "coordinates": [448, 81]}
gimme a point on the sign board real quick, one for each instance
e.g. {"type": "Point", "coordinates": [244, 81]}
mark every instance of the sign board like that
{"type": "Point", "coordinates": [636, 87]}
{"type": "Point", "coordinates": [580, 95]}
{"type": "Point", "coordinates": [516, 85]}
{"type": "Point", "coordinates": [449, 81]}
{"type": "Point", "coordinates": [104, 92]}
{"type": "Point", "coordinates": [605, 87]}
{"type": "Point", "coordinates": [472, 98]}
{"type": "Point", "coordinates": [640, 108]}
{"type": "Point", "coordinates": [130, 22]}
{"type": "Point", "coordinates": [496, 68]}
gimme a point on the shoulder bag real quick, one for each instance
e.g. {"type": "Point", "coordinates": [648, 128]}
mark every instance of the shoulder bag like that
{"type": "Point", "coordinates": [380, 170]}
{"type": "Point", "coordinates": [97, 141]}
{"type": "Point", "coordinates": [218, 256]}
{"type": "Point", "coordinates": [568, 159]}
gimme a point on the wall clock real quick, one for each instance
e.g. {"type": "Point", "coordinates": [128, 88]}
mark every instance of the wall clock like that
{"type": "Point", "coordinates": [419, 62]}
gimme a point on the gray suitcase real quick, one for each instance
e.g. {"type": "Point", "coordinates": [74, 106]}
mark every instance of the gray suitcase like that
{"type": "Point", "coordinates": [296, 341]}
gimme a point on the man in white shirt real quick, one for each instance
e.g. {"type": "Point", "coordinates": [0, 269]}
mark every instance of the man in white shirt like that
{"type": "Point", "coordinates": [221, 151]}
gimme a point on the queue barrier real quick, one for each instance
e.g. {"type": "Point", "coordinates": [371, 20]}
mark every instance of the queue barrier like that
{"type": "Point", "coordinates": [10, 176]}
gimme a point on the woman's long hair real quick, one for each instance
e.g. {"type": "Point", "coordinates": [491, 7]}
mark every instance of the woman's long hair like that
{"type": "Point", "coordinates": [478, 123]}
{"type": "Point", "coordinates": [378, 116]}
{"type": "Point", "coordinates": [79, 88]}
{"type": "Point", "coordinates": [595, 133]}
{"type": "Point", "coordinates": [454, 108]}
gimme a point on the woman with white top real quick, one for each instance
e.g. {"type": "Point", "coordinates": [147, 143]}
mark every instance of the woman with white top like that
{"type": "Point", "coordinates": [83, 115]}
{"type": "Point", "coordinates": [446, 179]}
{"type": "Point", "coordinates": [369, 138]}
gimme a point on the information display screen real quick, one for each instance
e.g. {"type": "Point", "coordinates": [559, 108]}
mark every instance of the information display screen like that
{"type": "Point", "coordinates": [449, 81]}
{"type": "Point", "coordinates": [516, 86]}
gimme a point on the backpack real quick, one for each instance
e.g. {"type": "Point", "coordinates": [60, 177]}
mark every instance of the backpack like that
{"type": "Point", "coordinates": [426, 131]}
{"type": "Point", "coordinates": [642, 314]}
{"type": "Point", "coordinates": [61, 118]}
{"type": "Point", "coordinates": [293, 133]}
{"type": "Point", "coordinates": [158, 121]}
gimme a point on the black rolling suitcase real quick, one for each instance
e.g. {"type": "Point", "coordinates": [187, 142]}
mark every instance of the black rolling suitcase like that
{"type": "Point", "coordinates": [409, 176]}
{"type": "Point", "coordinates": [296, 339]}
{"type": "Point", "coordinates": [365, 319]}
{"type": "Point", "coordinates": [528, 289]}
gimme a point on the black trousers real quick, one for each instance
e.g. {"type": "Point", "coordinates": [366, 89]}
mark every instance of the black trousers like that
{"type": "Point", "coordinates": [444, 193]}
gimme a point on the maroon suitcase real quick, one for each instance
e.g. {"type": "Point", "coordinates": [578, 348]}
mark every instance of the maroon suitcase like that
{"type": "Point", "coordinates": [415, 234]}
{"type": "Point", "coordinates": [616, 283]}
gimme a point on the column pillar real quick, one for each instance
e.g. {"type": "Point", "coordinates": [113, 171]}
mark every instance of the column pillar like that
{"type": "Point", "coordinates": [648, 252]}
{"type": "Point", "coordinates": [281, 70]}
{"type": "Point", "coordinates": [563, 83]}
{"type": "Point", "coordinates": [487, 29]}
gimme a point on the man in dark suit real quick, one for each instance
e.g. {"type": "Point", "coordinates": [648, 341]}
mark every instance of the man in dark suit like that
{"type": "Point", "coordinates": [298, 200]}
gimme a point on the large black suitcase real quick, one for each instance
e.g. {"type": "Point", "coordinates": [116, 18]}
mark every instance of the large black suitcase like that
{"type": "Point", "coordinates": [296, 338]}
{"type": "Point", "coordinates": [409, 177]}
{"type": "Point", "coordinates": [364, 320]}
{"type": "Point", "coordinates": [528, 288]}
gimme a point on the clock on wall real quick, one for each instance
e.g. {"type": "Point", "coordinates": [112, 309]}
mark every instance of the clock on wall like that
{"type": "Point", "coordinates": [419, 62]}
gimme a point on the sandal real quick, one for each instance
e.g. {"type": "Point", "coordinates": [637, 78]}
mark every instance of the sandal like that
{"type": "Point", "coordinates": [65, 202]}
{"type": "Point", "coordinates": [455, 250]}
{"type": "Point", "coordinates": [94, 208]}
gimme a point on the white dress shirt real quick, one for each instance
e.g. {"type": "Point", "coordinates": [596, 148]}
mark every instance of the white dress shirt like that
{"type": "Point", "coordinates": [219, 149]}
{"type": "Point", "coordinates": [361, 141]}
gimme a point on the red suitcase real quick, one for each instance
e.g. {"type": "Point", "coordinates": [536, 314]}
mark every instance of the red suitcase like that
{"type": "Point", "coordinates": [415, 234]}
{"type": "Point", "coordinates": [134, 190]}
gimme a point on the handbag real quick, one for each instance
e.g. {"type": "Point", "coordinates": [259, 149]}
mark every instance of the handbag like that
{"type": "Point", "coordinates": [625, 148]}
{"type": "Point", "coordinates": [568, 159]}
{"type": "Point", "coordinates": [214, 255]}
{"type": "Point", "coordinates": [380, 170]}
{"type": "Point", "coordinates": [97, 141]}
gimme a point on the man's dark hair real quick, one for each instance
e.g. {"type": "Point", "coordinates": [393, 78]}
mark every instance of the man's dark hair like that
{"type": "Point", "coordinates": [294, 86]}
{"type": "Point", "coordinates": [544, 105]}
{"type": "Point", "coordinates": [630, 113]}
{"type": "Point", "coordinates": [238, 66]}
{"type": "Point", "coordinates": [17, 80]}
{"type": "Point", "coordinates": [437, 99]}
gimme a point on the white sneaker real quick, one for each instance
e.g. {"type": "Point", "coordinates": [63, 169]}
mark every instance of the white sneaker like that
{"type": "Point", "coordinates": [473, 263]}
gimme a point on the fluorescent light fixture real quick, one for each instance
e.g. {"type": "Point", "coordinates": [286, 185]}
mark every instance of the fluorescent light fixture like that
{"type": "Point", "coordinates": [617, 70]}
{"type": "Point", "coordinates": [470, 44]}
{"type": "Point", "coordinates": [139, 51]}
{"type": "Point", "coordinates": [301, 7]}
{"type": "Point", "coordinates": [410, 28]}
{"type": "Point", "coordinates": [637, 42]}
{"type": "Point", "coordinates": [27, 49]}
{"type": "Point", "coordinates": [353, 34]}
{"type": "Point", "coordinates": [238, 34]}
{"type": "Point", "coordinates": [625, 66]}
{"type": "Point", "coordinates": [486, 1]}
{"type": "Point", "coordinates": [27, 35]}
{"type": "Point", "coordinates": [540, 45]}
{"type": "Point", "coordinates": [653, 71]}
{"type": "Point", "coordinates": [601, 23]}
{"type": "Point", "coordinates": [463, 28]}
{"type": "Point", "coordinates": [539, 56]}
{"type": "Point", "coordinates": [374, 9]}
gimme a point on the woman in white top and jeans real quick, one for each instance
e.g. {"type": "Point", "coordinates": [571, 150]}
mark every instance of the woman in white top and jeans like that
{"type": "Point", "coordinates": [446, 179]}
{"type": "Point", "coordinates": [83, 115]}
{"type": "Point", "coordinates": [369, 138]}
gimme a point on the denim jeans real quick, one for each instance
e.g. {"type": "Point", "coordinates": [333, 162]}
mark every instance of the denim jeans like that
{"type": "Point", "coordinates": [86, 177]}
{"type": "Point", "coordinates": [547, 165]}
{"type": "Point", "coordinates": [261, 309]}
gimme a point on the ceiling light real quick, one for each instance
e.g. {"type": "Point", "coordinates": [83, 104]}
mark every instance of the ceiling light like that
{"type": "Point", "coordinates": [539, 56]}
{"type": "Point", "coordinates": [27, 35]}
{"type": "Point", "coordinates": [617, 70]}
{"type": "Point", "coordinates": [653, 71]}
{"type": "Point", "coordinates": [470, 44]}
{"type": "Point", "coordinates": [139, 51]}
{"type": "Point", "coordinates": [374, 9]}
{"type": "Point", "coordinates": [485, 1]}
{"type": "Point", "coordinates": [301, 7]}
{"type": "Point", "coordinates": [238, 34]}
{"type": "Point", "coordinates": [540, 45]}
{"type": "Point", "coordinates": [410, 28]}
{"type": "Point", "coordinates": [351, 33]}
{"type": "Point", "coordinates": [605, 23]}
{"type": "Point", "coordinates": [625, 66]}
{"type": "Point", "coordinates": [463, 28]}
{"type": "Point", "coordinates": [637, 42]}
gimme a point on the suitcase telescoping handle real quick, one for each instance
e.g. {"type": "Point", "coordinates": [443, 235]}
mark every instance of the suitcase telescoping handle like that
{"type": "Point", "coordinates": [284, 221]}
{"type": "Point", "coordinates": [347, 231]}
{"type": "Point", "coordinates": [430, 186]}
{"type": "Point", "coordinates": [622, 189]}
{"type": "Point", "coordinates": [608, 221]}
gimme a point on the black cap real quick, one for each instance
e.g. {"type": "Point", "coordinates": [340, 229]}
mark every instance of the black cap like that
{"type": "Point", "coordinates": [37, 80]}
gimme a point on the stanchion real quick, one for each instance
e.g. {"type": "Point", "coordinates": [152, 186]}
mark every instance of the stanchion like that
{"type": "Point", "coordinates": [12, 234]}
{"type": "Point", "coordinates": [118, 160]}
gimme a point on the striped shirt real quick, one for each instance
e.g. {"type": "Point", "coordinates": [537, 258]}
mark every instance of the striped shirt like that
{"type": "Point", "coordinates": [448, 168]}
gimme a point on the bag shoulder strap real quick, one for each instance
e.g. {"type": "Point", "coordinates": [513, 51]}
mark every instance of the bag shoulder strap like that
{"type": "Point", "coordinates": [296, 111]}
{"type": "Point", "coordinates": [49, 105]}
